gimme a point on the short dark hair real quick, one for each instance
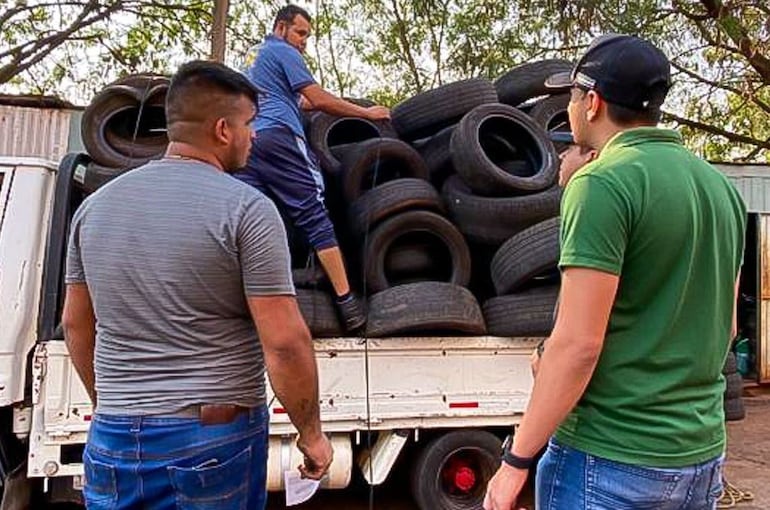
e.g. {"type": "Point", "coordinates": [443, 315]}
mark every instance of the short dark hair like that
{"type": "Point", "coordinates": [288, 12]}
{"type": "Point", "coordinates": [626, 116]}
{"type": "Point", "coordinates": [202, 80]}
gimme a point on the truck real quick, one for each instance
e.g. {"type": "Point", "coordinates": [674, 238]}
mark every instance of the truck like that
{"type": "Point", "coordinates": [448, 400]}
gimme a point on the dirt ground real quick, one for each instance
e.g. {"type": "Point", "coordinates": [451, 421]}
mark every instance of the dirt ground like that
{"type": "Point", "coordinates": [748, 450]}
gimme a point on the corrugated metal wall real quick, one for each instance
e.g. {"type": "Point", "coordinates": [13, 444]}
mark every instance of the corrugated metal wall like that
{"type": "Point", "coordinates": [752, 182]}
{"type": "Point", "coordinates": [34, 132]}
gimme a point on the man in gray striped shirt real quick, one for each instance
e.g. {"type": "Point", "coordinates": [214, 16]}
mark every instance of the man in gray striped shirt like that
{"type": "Point", "coordinates": [170, 267]}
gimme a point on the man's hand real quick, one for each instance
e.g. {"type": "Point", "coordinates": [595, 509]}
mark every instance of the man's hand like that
{"type": "Point", "coordinates": [378, 113]}
{"type": "Point", "coordinates": [504, 488]}
{"type": "Point", "coordinates": [318, 454]}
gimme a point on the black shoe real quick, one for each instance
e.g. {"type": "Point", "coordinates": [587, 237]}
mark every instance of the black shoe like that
{"type": "Point", "coordinates": [351, 312]}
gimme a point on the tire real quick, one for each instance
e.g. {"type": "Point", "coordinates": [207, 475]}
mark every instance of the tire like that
{"type": "Point", "coordinates": [434, 478]}
{"type": "Point", "coordinates": [320, 313]}
{"type": "Point", "coordinates": [731, 364]}
{"type": "Point", "coordinates": [734, 386]}
{"type": "Point", "coordinates": [327, 131]}
{"type": "Point", "coordinates": [493, 220]}
{"type": "Point", "coordinates": [528, 313]}
{"type": "Point", "coordinates": [526, 255]}
{"type": "Point", "coordinates": [95, 176]}
{"type": "Point", "coordinates": [489, 145]}
{"type": "Point", "coordinates": [120, 125]}
{"type": "Point", "coordinates": [390, 198]}
{"type": "Point", "coordinates": [528, 80]}
{"type": "Point", "coordinates": [312, 278]}
{"type": "Point", "coordinates": [734, 409]}
{"type": "Point", "coordinates": [452, 258]}
{"type": "Point", "coordinates": [437, 156]}
{"type": "Point", "coordinates": [372, 162]}
{"type": "Point", "coordinates": [424, 307]}
{"type": "Point", "coordinates": [551, 113]}
{"type": "Point", "coordinates": [414, 259]}
{"type": "Point", "coordinates": [428, 113]}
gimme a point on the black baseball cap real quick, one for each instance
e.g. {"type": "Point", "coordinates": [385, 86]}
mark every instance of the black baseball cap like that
{"type": "Point", "coordinates": [624, 70]}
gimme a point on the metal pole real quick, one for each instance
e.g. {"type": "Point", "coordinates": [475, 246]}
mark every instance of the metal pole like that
{"type": "Point", "coordinates": [218, 30]}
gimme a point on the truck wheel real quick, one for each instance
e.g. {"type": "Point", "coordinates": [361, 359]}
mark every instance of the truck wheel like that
{"type": "Point", "coordinates": [452, 471]}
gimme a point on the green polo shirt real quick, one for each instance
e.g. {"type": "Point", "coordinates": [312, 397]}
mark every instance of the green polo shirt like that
{"type": "Point", "coordinates": [672, 227]}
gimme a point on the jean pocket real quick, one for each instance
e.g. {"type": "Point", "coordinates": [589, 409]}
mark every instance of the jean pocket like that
{"type": "Point", "coordinates": [101, 487]}
{"type": "Point", "coordinates": [715, 484]}
{"type": "Point", "coordinates": [213, 484]}
{"type": "Point", "coordinates": [620, 486]}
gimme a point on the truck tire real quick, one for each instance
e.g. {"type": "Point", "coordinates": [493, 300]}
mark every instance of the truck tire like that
{"type": "Point", "coordinates": [424, 307]}
{"type": "Point", "coordinates": [120, 125]}
{"type": "Point", "coordinates": [373, 162]}
{"type": "Point", "coordinates": [95, 176]}
{"type": "Point", "coordinates": [529, 253]}
{"type": "Point", "coordinates": [449, 248]}
{"type": "Point", "coordinates": [320, 313]}
{"type": "Point", "coordinates": [733, 386]}
{"type": "Point", "coordinates": [734, 409]}
{"type": "Point", "coordinates": [493, 220]}
{"type": "Point", "coordinates": [528, 80]}
{"type": "Point", "coordinates": [528, 313]}
{"type": "Point", "coordinates": [452, 471]}
{"type": "Point", "coordinates": [428, 113]}
{"type": "Point", "coordinates": [327, 131]}
{"type": "Point", "coordinates": [498, 150]}
{"type": "Point", "coordinates": [310, 278]}
{"type": "Point", "coordinates": [390, 198]}
{"type": "Point", "coordinates": [731, 364]}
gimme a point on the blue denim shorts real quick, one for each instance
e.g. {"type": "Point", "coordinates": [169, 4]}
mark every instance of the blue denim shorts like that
{"type": "Point", "coordinates": [568, 479]}
{"type": "Point", "coordinates": [176, 463]}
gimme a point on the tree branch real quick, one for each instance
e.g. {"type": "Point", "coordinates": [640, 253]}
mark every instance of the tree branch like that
{"type": "Point", "coordinates": [723, 86]}
{"type": "Point", "coordinates": [708, 128]}
{"type": "Point", "coordinates": [403, 37]}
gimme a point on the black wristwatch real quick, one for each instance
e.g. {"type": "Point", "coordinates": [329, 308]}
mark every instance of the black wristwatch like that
{"type": "Point", "coordinates": [514, 460]}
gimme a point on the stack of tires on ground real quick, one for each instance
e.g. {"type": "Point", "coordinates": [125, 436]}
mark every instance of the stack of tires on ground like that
{"type": "Point", "coordinates": [446, 213]}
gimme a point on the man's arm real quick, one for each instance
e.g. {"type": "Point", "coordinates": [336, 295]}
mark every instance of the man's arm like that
{"type": "Point", "coordinates": [324, 101]}
{"type": "Point", "coordinates": [79, 323]}
{"type": "Point", "coordinates": [291, 366]}
{"type": "Point", "coordinates": [569, 361]}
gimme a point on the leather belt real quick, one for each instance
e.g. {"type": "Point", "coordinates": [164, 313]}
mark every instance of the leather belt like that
{"type": "Point", "coordinates": [209, 414]}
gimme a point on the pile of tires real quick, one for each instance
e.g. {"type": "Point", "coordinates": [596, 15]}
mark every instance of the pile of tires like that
{"type": "Point", "coordinates": [123, 127]}
{"type": "Point", "coordinates": [733, 396]}
{"type": "Point", "coordinates": [447, 214]}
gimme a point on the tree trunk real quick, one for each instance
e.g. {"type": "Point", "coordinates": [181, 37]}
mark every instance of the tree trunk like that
{"type": "Point", "coordinates": [219, 30]}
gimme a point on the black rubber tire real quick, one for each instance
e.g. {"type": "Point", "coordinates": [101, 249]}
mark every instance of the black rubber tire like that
{"type": "Point", "coordinates": [408, 227]}
{"type": "Point", "coordinates": [437, 156]}
{"type": "Point", "coordinates": [390, 198]}
{"type": "Point", "coordinates": [487, 142]}
{"type": "Point", "coordinates": [429, 486]}
{"type": "Point", "coordinates": [733, 386]}
{"type": "Point", "coordinates": [413, 259]}
{"type": "Point", "coordinates": [551, 113]}
{"type": "Point", "coordinates": [528, 80]}
{"type": "Point", "coordinates": [734, 409]}
{"type": "Point", "coordinates": [424, 307]}
{"type": "Point", "coordinates": [428, 113]}
{"type": "Point", "coordinates": [493, 220]}
{"type": "Point", "coordinates": [731, 364]}
{"type": "Point", "coordinates": [528, 313]}
{"type": "Point", "coordinates": [327, 131]}
{"type": "Point", "coordinates": [527, 254]}
{"type": "Point", "coordinates": [95, 176]}
{"type": "Point", "coordinates": [320, 313]}
{"type": "Point", "coordinates": [312, 278]}
{"type": "Point", "coordinates": [372, 162]}
{"type": "Point", "coordinates": [110, 122]}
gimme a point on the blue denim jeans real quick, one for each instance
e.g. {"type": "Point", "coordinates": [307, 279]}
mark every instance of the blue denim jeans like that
{"type": "Point", "coordinates": [568, 479]}
{"type": "Point", "coordinates": [176, 463]}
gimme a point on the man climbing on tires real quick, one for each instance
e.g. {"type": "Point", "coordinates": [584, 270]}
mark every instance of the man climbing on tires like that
{"type": "Point", "coordinates": [630, 385]}
{"type": "Point", "coordinates": [281, 164]}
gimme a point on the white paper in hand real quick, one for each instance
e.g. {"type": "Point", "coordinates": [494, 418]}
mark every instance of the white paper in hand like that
{"type": "Point", "coordinates": [298, 489]}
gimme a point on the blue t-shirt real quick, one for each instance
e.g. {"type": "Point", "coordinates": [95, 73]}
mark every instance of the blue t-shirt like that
{"type": "Point", "coordinates": [279, 72]}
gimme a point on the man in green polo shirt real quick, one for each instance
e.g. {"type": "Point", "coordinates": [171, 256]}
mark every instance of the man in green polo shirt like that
{"type": "Point", "coordinates": [629, 389]}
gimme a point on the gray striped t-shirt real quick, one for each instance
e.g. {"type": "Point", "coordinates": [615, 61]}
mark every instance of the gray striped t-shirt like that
{"type": "Point", "coordinates": [169, 252]}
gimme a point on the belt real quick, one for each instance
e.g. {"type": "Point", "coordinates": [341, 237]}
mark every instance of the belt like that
{"type": "Point", "coordinates": [208, 414]}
